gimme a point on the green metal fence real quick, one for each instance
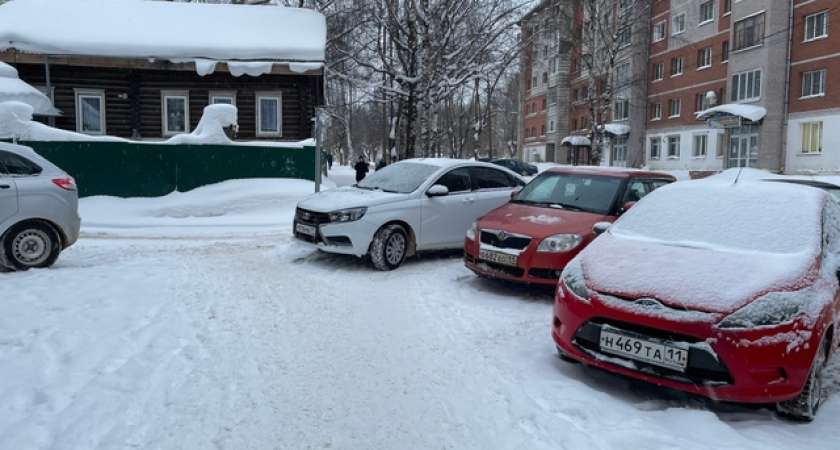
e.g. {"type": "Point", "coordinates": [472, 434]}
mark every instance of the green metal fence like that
{"type": "Point", "coordinates": [134, 169]}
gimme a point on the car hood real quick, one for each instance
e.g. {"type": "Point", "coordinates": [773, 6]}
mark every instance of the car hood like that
{"type": "Point", "coordinates": [689, 278]}
{"type": "Point", "coordinates": [347, 197]}
{"type": "Point", "coordinates": [539, 222]}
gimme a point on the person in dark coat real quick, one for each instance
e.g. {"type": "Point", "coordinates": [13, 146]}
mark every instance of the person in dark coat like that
{"type": "Point", "coordinates": [361, 168]}
{"type": "Point", "coordinates": [329, 160]}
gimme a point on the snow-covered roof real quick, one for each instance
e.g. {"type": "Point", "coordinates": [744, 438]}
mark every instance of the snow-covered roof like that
{"type": "Point", "coordinates": [165, 30]}
{"type": "Point", "coordinates": [618, 129]}
{"type": "Point", "coordinates": [576, 140]}
{"type": "Point", "coordinates": [12, 89]}
{"type": "Point", "coordinates": [754, 113]}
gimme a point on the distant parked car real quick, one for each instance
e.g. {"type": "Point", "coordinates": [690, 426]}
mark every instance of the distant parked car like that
{"type": "Point", "coordinates": [832, 189]}
{"type": "Point", "coordinates": [727, 290]}
{"type": "Point", "coordinates": [38, 209]}
{"type": "Point", "coordinates": [532, 238]}
{"type": "Point", "coordinates": [411, 205]}
{"type": "Point", "coordinates": [517, 166]}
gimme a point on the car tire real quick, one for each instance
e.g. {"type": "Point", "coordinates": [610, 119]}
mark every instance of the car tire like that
{"type": "Point", "coordinates": [389, 248]}
{"type": "Point", "coordinates": [29, 245]}
{"type": "Point", "coordinates": [804, 407]}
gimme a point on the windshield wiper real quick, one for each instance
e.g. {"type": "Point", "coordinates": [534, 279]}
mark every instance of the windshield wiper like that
{"type": "Point", "coordinates": [567, 206]}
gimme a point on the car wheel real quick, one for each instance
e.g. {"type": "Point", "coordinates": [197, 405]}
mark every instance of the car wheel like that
{"type": "Point", "coordinates": [29, 245]}
{"type": "Point", "coordinates": [804, 407]}
{"type": "Point", "coordinates": [389, 247]}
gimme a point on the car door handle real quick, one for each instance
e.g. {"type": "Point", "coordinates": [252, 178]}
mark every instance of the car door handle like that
{"type": "Point", "coordinates": [5, 186]}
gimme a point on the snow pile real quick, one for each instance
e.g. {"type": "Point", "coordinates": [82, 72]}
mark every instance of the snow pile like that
{"type": "Point", "coordinates": [12, 88]}
{"type": "Point", "coordinates": [16, 123]}
{"type": "Point", "coordinates": [211, 127]}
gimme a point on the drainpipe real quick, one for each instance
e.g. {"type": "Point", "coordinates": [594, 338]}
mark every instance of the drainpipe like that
{"type": "Point", "coordinates": [785, 110]}
{"type": "Point", "coordinates": [51, 119]}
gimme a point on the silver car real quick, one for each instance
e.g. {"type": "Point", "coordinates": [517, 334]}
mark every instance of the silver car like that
{"type": "Point", "coordinates": [39, 209]}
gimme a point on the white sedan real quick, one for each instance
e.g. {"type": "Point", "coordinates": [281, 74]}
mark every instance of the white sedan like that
{"type": "Point", "coordinates": [408, 206]}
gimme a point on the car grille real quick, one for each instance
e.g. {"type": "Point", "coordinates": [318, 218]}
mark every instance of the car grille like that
{"type": "Point", "coordinates": [704, 367]}
{"type": "Point", "coordinates": [311, 217]}
{"type": "Point", "coordinates": [504, 239]}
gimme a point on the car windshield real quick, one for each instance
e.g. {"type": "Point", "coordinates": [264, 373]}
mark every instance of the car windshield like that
{"type": "Point", "coordinates": [762, 217]}
{"type": "Point", "coordinates": [400, 177]}
{"type": "Point", "coordinates": [579, 192]}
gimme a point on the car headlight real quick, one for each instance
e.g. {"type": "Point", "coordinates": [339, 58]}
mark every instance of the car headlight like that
{"type": "Point", "coordinates": [559, 243]}
{"type": "Point", "coordinates": [774, 308]}
{"type": "Point", "coordinates": [471, 231]}
{"type": "Point", "coordinates": [572, 277]}
{"type": "Point", "coordinates": [348, 215]}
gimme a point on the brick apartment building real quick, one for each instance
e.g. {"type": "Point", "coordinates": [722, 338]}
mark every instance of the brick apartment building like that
{"type": "Point", "coordinates": [728, 83]}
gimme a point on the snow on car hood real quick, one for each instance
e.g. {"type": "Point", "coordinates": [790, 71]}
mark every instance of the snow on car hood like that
{"type": "Point", "coordinates": [539, 222]}
{"type": "Point", "coordinates": [347, 197]}
{"type": "Point", "coordinates": [699, 279]}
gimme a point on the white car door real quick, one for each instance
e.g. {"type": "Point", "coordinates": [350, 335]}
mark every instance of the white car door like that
{"type": "Point", "coordinates": [492, 189]}
{"type": "Point", "coordinates": [8, 198]}
{"type": "Point", "coordinates": [445, 219]}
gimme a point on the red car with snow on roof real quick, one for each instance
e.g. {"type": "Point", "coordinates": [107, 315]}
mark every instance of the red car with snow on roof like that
{"type": "Point", "coordinates": [727, 290]}
{"type": "Point", "coordinates": [531, 238]}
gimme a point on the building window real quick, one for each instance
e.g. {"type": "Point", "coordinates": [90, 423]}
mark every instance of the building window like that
{"type": "Point", "coordinates": [813, 83]}
{"type": "Point", "coordinates": [545, 77]}
{"type": "Point", "coordinates": [552, 96]}
{"type": "Point", "coordinates": [619, 147]}
{"type": "Point", "coordinates": [816, 26]}
{"type": "Point", "coordinates": [655, 147]}
{"type": "Point", "coordinates": [673, 147]}
{"type": "Point", "coordinates": [707, 11]}
{"type": "Point", "coordinates": [724, 51]}
{"type": "Point", "coordinates": [704, 58]}
{"type": "Point", "coordinates": [812, 137]}
{"type": "Point", "coordinates": [624, 35]}
{"type": "Point", "coordinates": [678, 24]}
{"type": "Point", "coordinates": [721, 138]}
{"type": "Point", "coordinates": [585, 92]}
{"type": "Point", "coordinates": [534, 82]}
{"type": "Point", "coordinates": [727, 7]}
{"type": "Point", "coordinates": [746, 86]}
{"type": "Point", "coordinates": [542, 129]}
{"type": "Point", "coordinates": [699, 101]}
{"type": "Point", "coordinates": [674, 107]}
{"type": "Point", "coordinates": [701, 144]}
{"type": "Point", "coordinates": [659, 31]}
{"type": "Point", "coordinates": [269, 114]}
{"type": "Point", "coordinates": [533, 132]}
{"type": "Point", "coordinates": [658, 71]}
{"type": "Point", "coordinates": [621, 110]}
{"type": "Point", "coordinates": [90, 111]}
{"type": "Point", "coordinates": [223, 98]}
{"type": "Point", "coordinates": [622, 75]}
{"type": "Point", "coordinates": [655, 111]}
{"type": "Point", "coordinates": [544, 104]}
{"type": "Point", "coordinates": [676, 66]}
{"type": "Point", "coordinates": [552, 127]}
{"type": "Point", "coordinates": [749, 32]}
{"type": "Point", "coordinates": [575, 95]}
{"type": "Point", "coordinates": [554, 64]}
{"type": "Point", "coordinates": [574, 124]}
{"type": "Point", "coordinates": [176, 114]}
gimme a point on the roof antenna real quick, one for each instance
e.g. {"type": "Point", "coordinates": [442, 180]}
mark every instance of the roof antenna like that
{"type": "Point", "coordinates": [739, 175]}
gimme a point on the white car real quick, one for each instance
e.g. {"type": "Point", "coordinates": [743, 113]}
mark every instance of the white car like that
{"type": "Point", "coordinates": [39, 209]}
{"type": "Point", "coordinates": [408, 206]}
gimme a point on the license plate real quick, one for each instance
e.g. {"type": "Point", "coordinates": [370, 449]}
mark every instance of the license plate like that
{"type": "Point", "coordinates": [498, 257]}
{"type": "Point", "coordinates": [305, 229]}
{"type": "Point", "coordinates": [644, 350]}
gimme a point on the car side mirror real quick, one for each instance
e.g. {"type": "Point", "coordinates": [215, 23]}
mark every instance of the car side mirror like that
{"type": "Point", "coordinates": [515, 192]}
{"type": "Point", "coordinates": [437, 190]}
{"type": "Point", "coordinates": [600, 227]}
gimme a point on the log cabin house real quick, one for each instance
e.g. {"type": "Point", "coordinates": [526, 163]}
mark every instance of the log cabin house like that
{"type": "Point", "coordinates": [146, 69]}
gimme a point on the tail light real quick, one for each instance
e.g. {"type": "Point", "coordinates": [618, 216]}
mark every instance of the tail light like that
{"type": "Point", "coordinates": [67, 183]}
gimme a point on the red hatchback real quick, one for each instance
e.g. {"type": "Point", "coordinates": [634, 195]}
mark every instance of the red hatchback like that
{"type": "Point", "coordinates": [531, 238]}
{"type": "Point", "coordinates": [727, 290]}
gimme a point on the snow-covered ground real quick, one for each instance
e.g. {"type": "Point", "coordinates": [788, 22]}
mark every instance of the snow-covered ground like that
{"type": "Point", "coordinates": [193, 321]}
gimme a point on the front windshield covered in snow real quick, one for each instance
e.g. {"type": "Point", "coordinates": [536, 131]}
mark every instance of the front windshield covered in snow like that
{"type": "Point", "coordinates": [753, 216]}
{"type": "Point", "coordinates": [577, 192]}
{"type": "Point", "coordinates": [401, 177]}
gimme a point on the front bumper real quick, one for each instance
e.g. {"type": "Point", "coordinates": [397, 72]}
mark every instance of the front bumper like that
{"type": "Point", "coordinates": [745, 366]}
{"type": "Point", "coordinates": [531, 267]}
{"type": "Point", "coordinates": [349, 238]}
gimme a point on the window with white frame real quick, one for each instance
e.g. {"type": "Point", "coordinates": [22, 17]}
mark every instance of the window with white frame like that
{"type": "Point", "coordinates": [624, 35]}
{"type": "Point", "coordinates": [678, 24]}
{"type": "Point", "coordinates": [812, 137]}
{"type": "Point", "coordinates": [674, 107]}
{"type": "Point", "coordinates": [90, 111]}
{"type": "Point", "coordinates": [746, 86]}
{"type": "Point", "coordinates": [816, 26]}
{"type": "Point", "coordinates": [223, 98]}
{"type": "Point", "coordinates": [659, 31]}
{"type": "Point", "coordinates": [676, 66]}
{"type": "Point", "coordinates": [707, 11]}
{"type": "Point", "coordinates": [552, 96]}
{"type": "Point", "coordinates": [175, 112]}
{"type": "Point", "coordinates": [269, 114]}
{"type": "Point", "coordinates": [655, 111]}
{"type": "Point", "coordinates": [658, 71]}
{"type": "Point", "coordinates": [749, 32]}
{"type": "Point", "coordinates": [622, 75]}
{"type": "Point", "coordinates": [704, 58]}
{"type": "Point", "coordinates": [813, 83]}
{"type": "Point", "coordinates": [673, 147]}
{"type": "Point", "coordinates": [701, 144]}
{"type": "Point", "coordinates": [619, 148]}
{"type": "Point", "coordinates": [621, 110]}
{"type": "Point", "coordinates": [554, 64]}
{"type": "Point", "coordinates": [534, 82]}
{"type": "Point", "coordinates": [655, 147]}
{"type": "Point", "coordinates": [552, 124]}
